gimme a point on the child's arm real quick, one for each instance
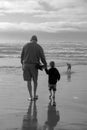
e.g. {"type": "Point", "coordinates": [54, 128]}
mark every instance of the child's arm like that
{"type": "Point", "coordinates": [58, 75]}
{"type": "Point", "coordinates": [47, 71]}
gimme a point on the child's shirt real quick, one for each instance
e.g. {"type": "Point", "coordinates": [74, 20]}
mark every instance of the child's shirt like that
{"type": "Point", "coordinates": [53, 75]}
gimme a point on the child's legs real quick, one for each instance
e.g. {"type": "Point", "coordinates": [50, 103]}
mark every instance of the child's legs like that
{"type": "Point", "coordinates": [54, 94]}
{"type": "Point", "coordinates": [50, 92]}
{"type": "Point", "coordinates": [54, 90]}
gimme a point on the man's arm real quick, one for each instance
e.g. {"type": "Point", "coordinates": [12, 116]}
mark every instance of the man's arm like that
{"type": "Point", "coordinates": [22, 56]}
{"type": "Point", "coordinates": [43, 59]}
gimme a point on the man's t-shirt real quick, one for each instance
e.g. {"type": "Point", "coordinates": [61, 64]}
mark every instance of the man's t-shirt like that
{"type": "Point", "coordinates": [32, 53]}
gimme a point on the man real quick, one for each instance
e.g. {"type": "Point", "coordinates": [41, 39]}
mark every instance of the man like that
{"type": "Point", "coordinates": [32, 54]}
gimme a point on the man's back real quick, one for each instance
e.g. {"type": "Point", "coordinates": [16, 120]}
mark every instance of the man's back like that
{"type": "Point", "coordinates": [32, 53]}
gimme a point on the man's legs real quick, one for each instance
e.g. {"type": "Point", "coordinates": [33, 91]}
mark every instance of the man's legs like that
{"type": "Point", "coordinates": [35, 89]}
{"type": "Point", "coordinates": [35, 79]}
{"type": "Point", "coordinates": [29, 85]}
{"type": "Point", "coordinates": [29, 88]}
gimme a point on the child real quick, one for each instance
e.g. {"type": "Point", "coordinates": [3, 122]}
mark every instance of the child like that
{"type": "Point", "coordinates": [53, 77]}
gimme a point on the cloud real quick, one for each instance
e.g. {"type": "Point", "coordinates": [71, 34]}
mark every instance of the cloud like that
{"type": "Point", "coordinates": [72, 12]}
{"type": "Point", "coordinates": [41, 6]}
{"type": "Point", "coordinates": [44, 27]}
{"type": "Point", "coordinates": [64, 7]}
{"type": "Point", "coordinates": [56, 4]}
{"type": "Point", "coordinates": [46, 15]}
{"type": "Point", "coordinates": [20, 6]}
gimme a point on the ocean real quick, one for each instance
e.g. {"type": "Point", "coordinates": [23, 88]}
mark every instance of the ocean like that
{"type": "Point", "coordinates": [60, 52]}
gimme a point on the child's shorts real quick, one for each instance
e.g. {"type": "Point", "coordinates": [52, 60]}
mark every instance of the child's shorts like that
{"type": "Point", "coordinates": [52, 87]}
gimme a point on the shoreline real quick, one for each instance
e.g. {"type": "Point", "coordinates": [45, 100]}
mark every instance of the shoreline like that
{"type": "Point", "coordinates": [71, 103]}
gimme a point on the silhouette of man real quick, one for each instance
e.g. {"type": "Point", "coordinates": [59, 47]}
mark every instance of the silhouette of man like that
{"type": "Point", "coordinates": [30, 121]}
{"type": "Point", "coordinates": [32, 54]}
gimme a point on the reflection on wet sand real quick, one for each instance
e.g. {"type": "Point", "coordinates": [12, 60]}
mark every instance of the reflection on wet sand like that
{"type": "Point", "coordinates": [69, 76]}
{"type": "Point", "coordinates": [53, 116]}
{"type": "Point", "coordinates": [30, 121]}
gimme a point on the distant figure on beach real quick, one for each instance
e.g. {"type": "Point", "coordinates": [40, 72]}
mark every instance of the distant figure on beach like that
{"type": "Point", "coordinates": [31, 56]}
{"type": "Point", "coordinates": [53, 77]}
{"type": "Point", "coordinates": [68, 67]}
{"type": "Point", "coordinates": [30, 121]}
{"type": "Point", "coordinates": [53, 117]}
{"type": "Point", "coordinates": [69, 72]}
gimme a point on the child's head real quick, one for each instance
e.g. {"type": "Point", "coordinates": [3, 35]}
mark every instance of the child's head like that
{"type": "Point", "coordinates": [52, 64]}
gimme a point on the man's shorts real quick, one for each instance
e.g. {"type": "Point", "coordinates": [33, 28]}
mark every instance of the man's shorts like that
{"type": "Point", "coordinates": [52, 87]}
{"type": "Point", "coordinates": [30, 72]}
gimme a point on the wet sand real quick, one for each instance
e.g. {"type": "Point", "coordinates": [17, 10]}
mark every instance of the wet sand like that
{"type": "Point", "coordinates": [70, 112]}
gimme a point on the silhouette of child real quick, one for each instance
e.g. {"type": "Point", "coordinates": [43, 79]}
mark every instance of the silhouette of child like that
{"type": "Point", "coordinates": [53, 77]}
{"type": "Point", "coordinates": [53, 117]}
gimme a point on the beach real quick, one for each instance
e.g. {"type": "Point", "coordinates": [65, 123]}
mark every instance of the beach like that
{"type": "Point", "coordinates": [70, 112]}
{"type": "Point", "coordinates": [59, 27]}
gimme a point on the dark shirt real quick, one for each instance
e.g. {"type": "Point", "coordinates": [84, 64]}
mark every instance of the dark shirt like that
{"type": "Point", "coordinates": [32, 53]}
{"type": "Point", "coordinates": [53, 75]}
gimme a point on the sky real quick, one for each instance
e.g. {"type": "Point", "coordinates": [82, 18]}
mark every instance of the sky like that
{"type": "Point", "coordinates": [50, 20]}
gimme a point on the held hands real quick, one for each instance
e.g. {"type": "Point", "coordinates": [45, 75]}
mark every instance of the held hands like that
{"type": "Point", "coordinates": [39, 66]}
